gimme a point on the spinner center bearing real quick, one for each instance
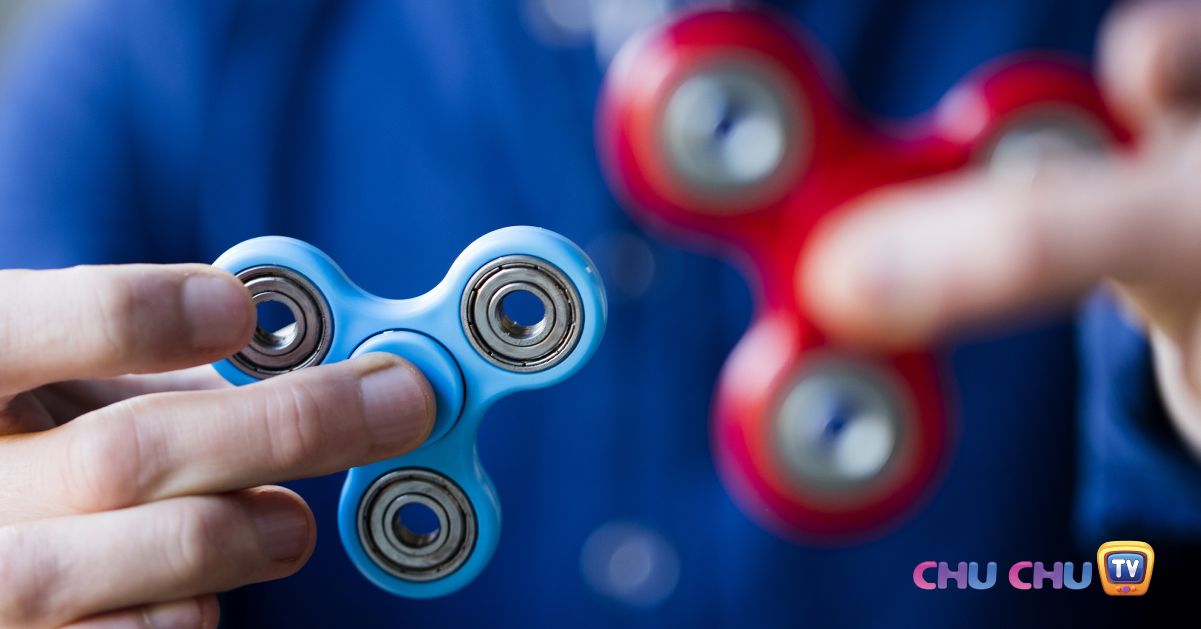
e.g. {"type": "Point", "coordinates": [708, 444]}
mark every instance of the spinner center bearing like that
{"type": "Point", "coordinates": [502, 341]}
{"type": "Point", "coordinates": [305, 342]}
{"type": "Point", "coordinates": [400, 551]}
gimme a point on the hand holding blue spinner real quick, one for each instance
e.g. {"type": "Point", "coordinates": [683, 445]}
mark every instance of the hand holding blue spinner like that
{"type": "Point", "coordinates": [471, 352]}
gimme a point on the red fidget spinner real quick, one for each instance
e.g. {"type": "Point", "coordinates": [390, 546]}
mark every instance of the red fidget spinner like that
{"type": "Point", "coordinates": [720, 124]}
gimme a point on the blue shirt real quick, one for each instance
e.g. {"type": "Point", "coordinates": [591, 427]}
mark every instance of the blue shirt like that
{"type": "Point", "coordinates": [392, 133]}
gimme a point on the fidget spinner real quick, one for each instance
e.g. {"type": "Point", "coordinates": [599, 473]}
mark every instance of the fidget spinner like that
{"type": "Point", "coordinates": [470, 350]}
{"type": "Point", "coordinates": [721, 126]}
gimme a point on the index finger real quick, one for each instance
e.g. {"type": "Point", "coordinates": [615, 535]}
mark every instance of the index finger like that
{"type": "Point", "coordinates": [911, 262]}
{"type": "Point", "coordinates": [104, 321]}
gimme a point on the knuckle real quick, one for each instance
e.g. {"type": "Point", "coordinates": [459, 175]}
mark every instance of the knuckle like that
{"type": "Point", "coordinates": [197, 531]}
{"type": "Point", "coordinates": [12, 324]}
{"type": "Point", "coordinates": [100, 466]}
{"type": "Point", "coordinates": [116, 301]}
{"type": "Point", "coordinates": [22, 580]}
{"type": "Point", "coordinates": [194, 535]}
{"type": "Point", "coordinates": [209, 543]}
{"type": "Point", "coordinates": [295, 419]}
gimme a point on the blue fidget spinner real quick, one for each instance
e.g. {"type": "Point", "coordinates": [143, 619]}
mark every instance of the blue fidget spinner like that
{"type": "Point", "coordinates": [471, 352]}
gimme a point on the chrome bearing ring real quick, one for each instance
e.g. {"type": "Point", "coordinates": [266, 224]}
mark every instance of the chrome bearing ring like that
{"type": "Point", "coordinates": [840, 425]}
{"type": "Point", "coordinates": [1053, 133]}
{"type": "Point", "coordinates": [735, 133]}
{"type": "Point", "coordinates": [300, 344]}
{"type": "Point", "coordinates": [403, 553]}
{"type": "Point", "coordinates": [510, 345]}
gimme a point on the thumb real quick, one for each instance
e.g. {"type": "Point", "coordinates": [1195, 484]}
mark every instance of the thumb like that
{"type": "Point", "coordinates": [1150, 62]}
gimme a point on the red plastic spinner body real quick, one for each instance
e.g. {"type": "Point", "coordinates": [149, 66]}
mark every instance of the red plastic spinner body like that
{"type": "Point", "coordinates": [834, 156]}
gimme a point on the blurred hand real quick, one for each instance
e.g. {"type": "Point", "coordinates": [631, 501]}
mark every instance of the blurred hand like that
{"type": "Point", "coordinates": [124, 505]}
{"type": "Point", "coordinates": [912, 262]}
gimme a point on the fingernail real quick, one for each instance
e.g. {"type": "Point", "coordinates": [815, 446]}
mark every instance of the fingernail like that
{"type": "Point", "coordinates": [867, 284]}
{"type": "Point", "coordinates": [1182, 72]}
{"type": "Point", "coordinates": [282, 524]}
{"type": "Point", "coordinates": [179, 615]}
{"type": "Point", "coordinates": [860, 277]}
{"type": "Point", "coordinates": [395, 406]}
{"type": "Point", "coordinates": [215, 309]}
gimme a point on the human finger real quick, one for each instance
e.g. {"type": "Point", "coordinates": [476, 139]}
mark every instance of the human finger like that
{"type": "Point", "coordinates": [1149, 62]}
{"type": "Point", "coordinates": [105, 321]}
{"type": "Point", "coordinates": [911, 262]}
{"type": "Point", "coordinates": [201, 612]}
{"type": "Point", "coordinates": [60, 570]}
{"type": "Point", "coordinates": [67, 400]}
{"type": "Point", "coordinates": [59, 402]}
{"type": "Point", "coordinates": [309, 423]}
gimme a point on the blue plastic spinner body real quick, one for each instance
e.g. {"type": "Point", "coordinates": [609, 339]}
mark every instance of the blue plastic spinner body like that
{"type": "Point", "coordinates": [428, 331]}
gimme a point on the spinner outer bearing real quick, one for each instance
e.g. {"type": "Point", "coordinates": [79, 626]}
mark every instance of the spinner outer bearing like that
{"type": "Point", "coordinates": [305, 343]}
{"type": "Point", "coordinates": [747, 84]}
{"type": "Point", "coordinates": [402, 553]}
{"type": "Point", "coordinates": [507, 344]}
{"type": "Point", "coordinates": [870, 388]}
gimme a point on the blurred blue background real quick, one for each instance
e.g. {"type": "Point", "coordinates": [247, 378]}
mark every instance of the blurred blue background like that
{"type": "Point", "coordinates": [392, 133]}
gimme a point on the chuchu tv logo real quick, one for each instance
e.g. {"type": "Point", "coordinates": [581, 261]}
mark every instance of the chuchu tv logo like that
{"type": "Point", "coordinates": [1060, 575]}
{"type": "Point", "coordinates": [1124, 568]}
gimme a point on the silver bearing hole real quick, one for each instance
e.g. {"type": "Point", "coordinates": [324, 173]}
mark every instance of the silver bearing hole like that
{"type": "Point", "coordinates": [403, 538]}
{"type": "Point", "coordinates": [727, 129]}
{"type": "Point", "coordinates": [838, 427]}
{"type": "Point", "coordinates": [523, 312]}
{"type": "Point", "coordinates": [417, 524]}
{"type": "Point", "coordinates": [277, 312]}
{"type": "Point", "coordinates": [287, 302]}
{"type": "Point", "coordinates": [537, 342]}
